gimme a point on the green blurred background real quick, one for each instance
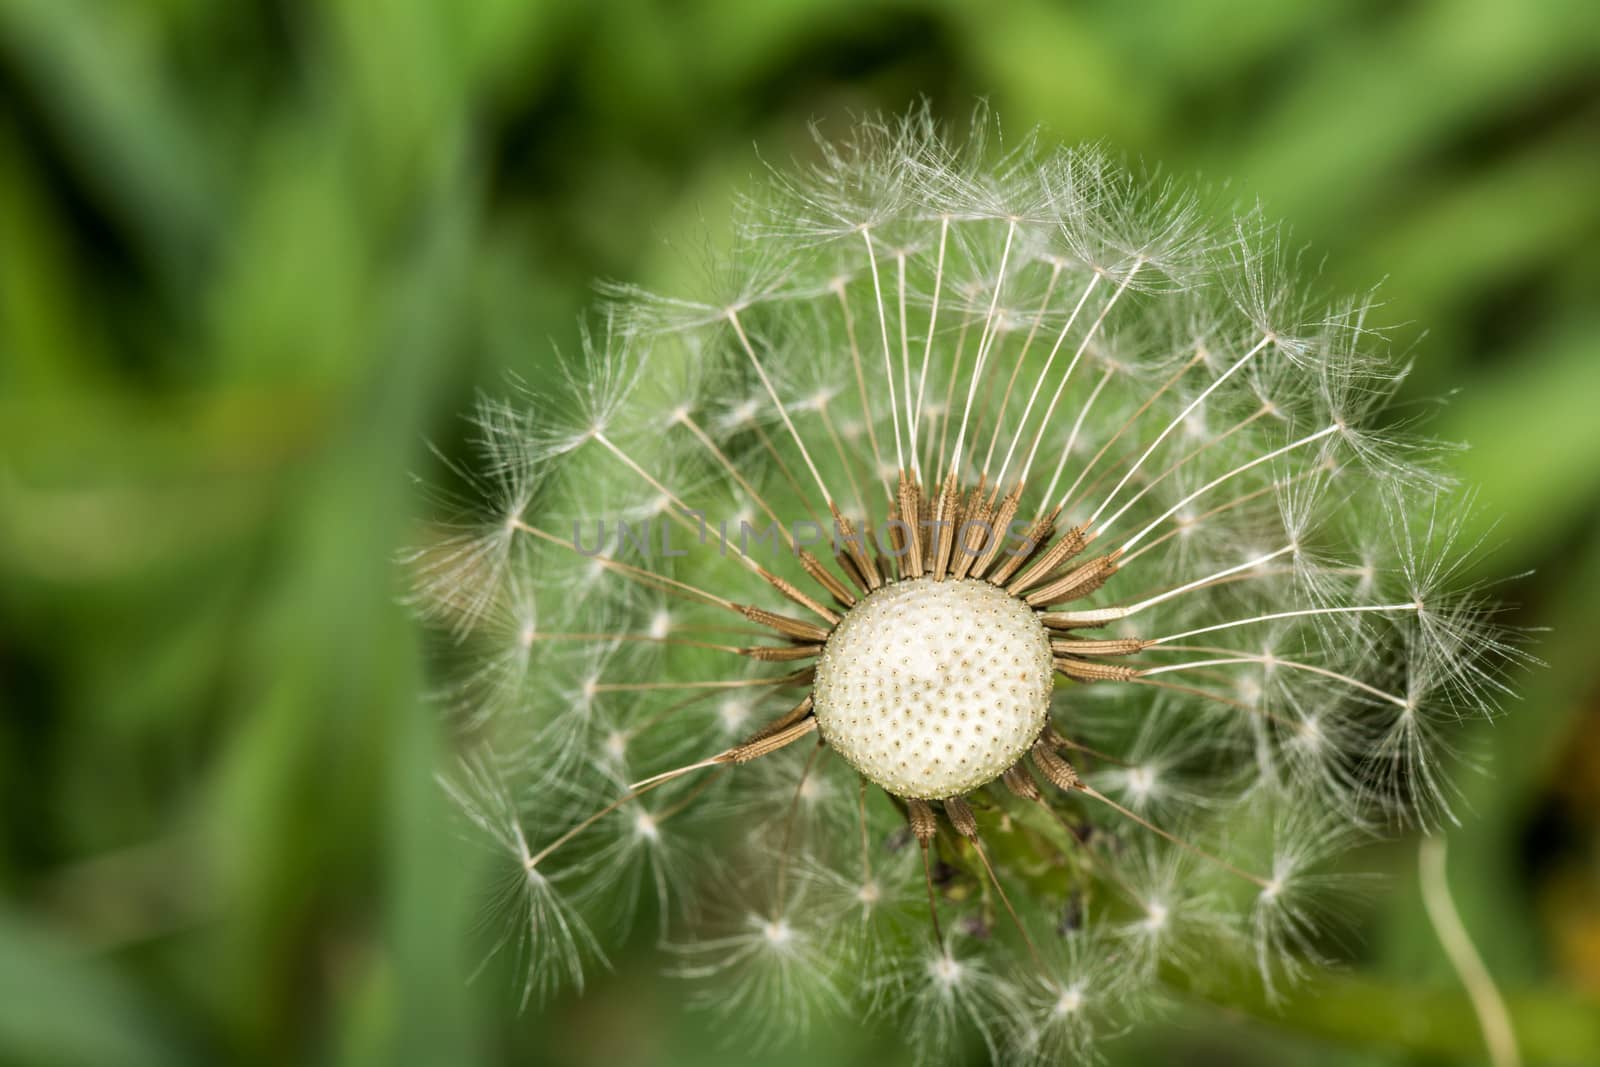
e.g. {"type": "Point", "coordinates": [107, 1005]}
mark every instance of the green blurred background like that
{"type": "Point", "coordinates": [253, 254]}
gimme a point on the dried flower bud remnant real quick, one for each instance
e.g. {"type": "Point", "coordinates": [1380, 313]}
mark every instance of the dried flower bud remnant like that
{"type": "Point", "coordinates": [1218, 638]}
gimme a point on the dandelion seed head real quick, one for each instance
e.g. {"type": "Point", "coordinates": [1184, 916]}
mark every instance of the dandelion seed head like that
{"type": "Point", "coordinates": [1228, 629]}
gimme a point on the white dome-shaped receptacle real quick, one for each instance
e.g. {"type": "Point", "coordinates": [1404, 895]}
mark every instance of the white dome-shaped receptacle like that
{"type": "Point", "coordinates": [932, 689]}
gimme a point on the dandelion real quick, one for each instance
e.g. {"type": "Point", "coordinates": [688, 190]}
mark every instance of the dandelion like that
{"type": "Point", "coordinates": [1011, 578]}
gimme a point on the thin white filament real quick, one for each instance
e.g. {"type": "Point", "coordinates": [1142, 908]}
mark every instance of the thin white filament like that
{"type": "Point", "coordinates": [1235, 472]}
{"type": "Point", "coordinates": [888, 362]}
{"type": "Point", "coordinates": [933, 317]}
{"type": "Point", "coordinates": [1083, 346]}
{"type": "Point", "coordinates": [783, 413]}
{"type": "Point", "coordinates": [905, 359]}
{"type": "Point", "coordinates": [1274, 661]}
{"type": "Point", "coordinates": [1027, 344]}
{"type": "Point", "coordinates": [1077, 428]}
{"type": "Point", "coordinates": [984, 340]}
{"type": "Point", "coordinates": [1112, 614]}
{"type": "Point", "coordinates": [1274, 616]}
{"type": "Point", "coordinates": [1174, 424]}
{"type": "Point", "coordinates": [1027, 409]}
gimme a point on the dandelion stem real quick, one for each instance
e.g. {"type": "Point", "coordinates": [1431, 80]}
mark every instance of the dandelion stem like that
{"type": "Point", "coordinates": [1493, 1018]}
{"type": "Point", "coordinates": [692, 795]}
{"type": "Point", "coordinates": [654, 780]}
